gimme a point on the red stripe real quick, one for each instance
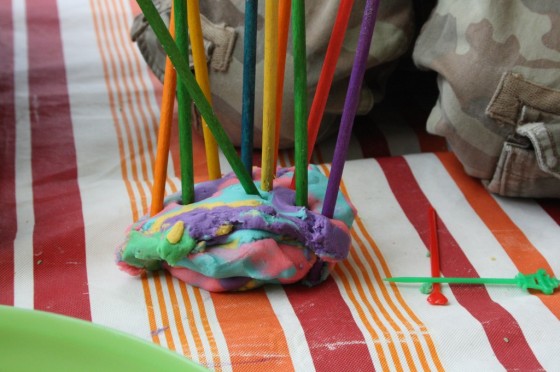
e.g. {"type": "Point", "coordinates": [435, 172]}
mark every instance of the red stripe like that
{"type": "Point", "coordinates": [330, 329]}
{"type": "Point", "coordinates": [8, 217]}
{"type": "Point", "coordinates": [495, 320]}
{"type": "Point", "coordinates": [371, 139]}
{"type": "Point", "coordinates": [58, 239]}
{"type": "Point", "coordinates": [552, 207]}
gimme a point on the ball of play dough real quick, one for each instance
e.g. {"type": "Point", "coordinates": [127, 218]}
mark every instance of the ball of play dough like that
{"type": "Point", "coordinates": [228, 240]}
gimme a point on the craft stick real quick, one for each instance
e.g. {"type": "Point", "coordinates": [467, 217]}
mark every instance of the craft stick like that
{"type": "Point", "coordinates": [248, 105]}
{"type": "Point", "coordinates": [284, 8]}
{"type": "Point", "coordinates": [201, 74]}
{"type": "Point", "coordinates": [184, 102]}
{"type": "Point", "coordinates": [300, 100]}
{"type": "Point", "coordinates": [434, 244]}
{"type": "Point", "coordinates": [436, 297]}
{"type": "Point", "coordinates": [164, 131]}
{"type": "Point", "coordinates": [326, 77]}
{"type": "Point", "coordinates": [350, 106]}
{"type": "Point", "coordinates": [269, 98]}
{"type": "Point", "coordinates": [196, 94]}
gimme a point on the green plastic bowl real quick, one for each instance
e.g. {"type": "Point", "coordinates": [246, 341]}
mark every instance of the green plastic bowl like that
{"type": "Point", "coordinates": [39, 341]}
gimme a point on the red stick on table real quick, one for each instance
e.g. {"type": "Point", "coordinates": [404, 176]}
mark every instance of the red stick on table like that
{"type": "Point", "coordinates": [436, 297]}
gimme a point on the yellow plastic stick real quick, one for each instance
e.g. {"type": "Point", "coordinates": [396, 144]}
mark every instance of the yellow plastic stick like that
{"type": "Point", "coordinates": [201, 74]}
{"type": "Point", "coordinates": [269, 97]}
{"type": "Point", "coordinates": [164, 131]}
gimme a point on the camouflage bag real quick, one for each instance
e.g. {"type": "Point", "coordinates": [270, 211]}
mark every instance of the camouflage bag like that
{"type": "Point", "coordinates": [223, 25]}
{"type": "Point", "coordinates": [498, 65]}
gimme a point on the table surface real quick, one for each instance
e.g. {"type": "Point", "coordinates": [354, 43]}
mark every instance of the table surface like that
{"type": "Point", "coordinates": [79, 114]}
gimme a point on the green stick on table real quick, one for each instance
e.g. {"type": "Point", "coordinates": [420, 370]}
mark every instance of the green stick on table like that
{"type": "Point", "coordinates": [187, 79]}
{"type": "Point", "coordinates": [540, 281]}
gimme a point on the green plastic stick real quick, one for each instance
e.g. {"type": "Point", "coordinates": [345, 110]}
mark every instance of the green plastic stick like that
{"type": "Point", "coordinates": [300, 100]}
{"type": "Point", "coordinates": [187, 79]}
{"type": "Point", "coordinates": [540, 281]}
{"type": "Point", "coordinates": [185, 126]}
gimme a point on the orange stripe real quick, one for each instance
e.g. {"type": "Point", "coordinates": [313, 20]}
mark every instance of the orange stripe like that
{"type": "Point", "coordinates": [138, 64]}
{"type": "Point", "coordinates": [150, 309]}
{"type": "Point", "coordinates": [380, 354]}
{"type": "Point", "coordinates": [524, 255]}
{"type": "Point", "coordinates": [177, 315]}
{"type": "Point", "coordinates": [252, 331]}
{"type": "Point", "coordinates": [163, 310]}
{"type": "Point", "coordinates": [125, 121]}
{"type": "Point", "coordinates": [128, 102]}
{"type": "Point", "coordinates": [123, 23]}
{"type": "Point", "coordinates": [192, 325]}
{"type": "Point", "coordinates": [123, 157]}
{"type": "Point", "coordinates": [124, 168]}
{"type": "Point", "coordinates": [366, 253]}
{"type": "Point", "coordinates": [207, 330]}
{"type": "Point", "coordinates": [116, 36]}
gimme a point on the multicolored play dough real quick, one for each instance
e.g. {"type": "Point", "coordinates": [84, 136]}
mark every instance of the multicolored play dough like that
{"type": "Point", "coordinates": [228, 241]}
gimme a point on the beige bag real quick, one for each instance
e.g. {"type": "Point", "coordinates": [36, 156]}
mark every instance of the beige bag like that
{"type": "Point", "coordinates": [499, 79]}
{"type": "Point", "coordinates": [223, 25]}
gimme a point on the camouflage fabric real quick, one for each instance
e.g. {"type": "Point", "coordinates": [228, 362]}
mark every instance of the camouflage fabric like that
{"type": "Point", "coordinates": [499, 106]}
{"type": "Point", "coordinates": [223, 25]}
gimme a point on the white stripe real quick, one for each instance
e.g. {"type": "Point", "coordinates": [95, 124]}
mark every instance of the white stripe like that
{"type": "Point", "coordinates": [407, 327]}
{"type": "Point", "coordinates": [293, 331]}
{"type": "Point", "coordinates": [115, 297]}
{"type": "Point", "coordinates": [127, 117]}
{"type": "Point", "coordinates": [23, 243]}
{"type": "Point", "coordinates": [405, 254]}
{"type": "Point", "coordinates": [488, 257]}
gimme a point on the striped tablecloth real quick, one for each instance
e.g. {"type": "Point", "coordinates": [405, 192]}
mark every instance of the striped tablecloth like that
{"type": "Point", "coordinates": [78, 114]}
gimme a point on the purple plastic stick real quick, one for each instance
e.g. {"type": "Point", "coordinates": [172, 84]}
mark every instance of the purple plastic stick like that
{"type": "Point", "coordinates": [350, 106]}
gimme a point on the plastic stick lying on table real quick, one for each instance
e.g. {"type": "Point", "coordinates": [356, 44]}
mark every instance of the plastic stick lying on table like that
{"type": "Point", "coordinates": [184, 103]}
{"type": "Point", "coordinates": [201, 75]}
{"type": "Point", "coordinates": [187, 78]}
{"type": "Point", "coordinates": [540, 281]}
{"type": "Point", "coordinates": [350, 106]}
{"type": "Point", "coordinates": [436, 297]}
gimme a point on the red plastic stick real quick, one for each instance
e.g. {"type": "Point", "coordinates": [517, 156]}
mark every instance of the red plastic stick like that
{"type": "Point", "coordinates": [436, 297]}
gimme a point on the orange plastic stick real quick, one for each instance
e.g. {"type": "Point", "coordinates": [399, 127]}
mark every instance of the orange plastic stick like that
{"type": "Point", "coordinates": [164, 131]}
{"type": "Point", "coordinates": [283, 30]}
